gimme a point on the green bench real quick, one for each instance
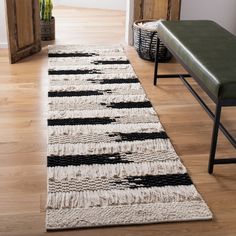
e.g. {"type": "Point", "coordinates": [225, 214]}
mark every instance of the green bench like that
{"type": "Point", "coordinates": [208, 53]}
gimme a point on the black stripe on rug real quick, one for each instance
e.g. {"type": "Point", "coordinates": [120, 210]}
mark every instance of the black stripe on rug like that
{"type": "Point", "coordinates": [149, 181]}
{"type": "Point", "coordinates": [77, 93]}
{"type": "Point", "coordinates": [81, 121]}
{"type": "Point", "coordinates": [73, 72]}
{"type": "Point", "coordinates": [77, 160]}
{"type": "Point", "coordinates": [130, 105]}
{"type": "Point", "coordinates": [103, 62]}
{"type": "Point", "coordinates": [79, 54]}
{"type": "Point", "coordinates": [119, 81]}
{"type": "Point", "coordinates": [135, 136]}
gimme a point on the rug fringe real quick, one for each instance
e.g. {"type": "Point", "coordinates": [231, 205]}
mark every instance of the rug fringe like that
{"type": "Point", "coordinates": [102, 198]}
{"type": "Point", "coordinates": [87, 79]}
{"type": "Point", "coordinates": [110, 128]}
{"type": "Point", "coordinates": [116, 170]}
{"type": "Point", "coordinates": [96, 87]}
{"type": "Point", "coordinates": [146, 113]}
{"type": "Point", "coordinates": [91, 102]}
{"type": "Point", "coordinates": [112, 147]}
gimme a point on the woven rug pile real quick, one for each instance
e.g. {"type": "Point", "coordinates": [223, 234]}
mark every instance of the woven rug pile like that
{"type": "Point", "coordinates": [110, 162]}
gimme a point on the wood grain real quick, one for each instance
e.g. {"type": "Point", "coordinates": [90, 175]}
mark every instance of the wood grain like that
{"type": "Point", "coordinates": [25, 32]}
{"type": "Point", "coordinates": [175, 10]}
{"type": "Point", "coordinates": [24, 37]}
{"type": "Point", "coordinates": [156, 9]}
{"type": "Point", "coordinates": [23, 137]}
{"type": "Point", "coordinates": [138, 10]}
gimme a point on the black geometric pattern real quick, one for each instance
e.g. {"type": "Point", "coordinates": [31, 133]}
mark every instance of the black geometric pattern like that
{"type": "Point", "coordinates": [121, 137]}
{"type": "Point", "coordinates": [81, 121]}
{"type": "Point", "coordinates": [77, 160]}
{"type": "Point", "coordinates": [77, 93]}
{"type": "Point", "coordinates": [74, 72]}
{"type": "Point", "coordinates": [109, 160]}
{"type": "Point", "coordinates": [122, 105]}
{"type": "Point", "coordinates": [118, 62]}
{"type": "Point", "coordinates": [119, 81]}
{"type": "Point", "coordinates": [149, 181]}
{"type": "Point", "coordinates": [72, 54]}
{"type": "Point", "coordinates": [114, 81]}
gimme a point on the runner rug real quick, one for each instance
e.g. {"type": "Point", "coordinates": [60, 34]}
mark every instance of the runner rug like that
{"type": "Point", "coordinates": [110, 162]}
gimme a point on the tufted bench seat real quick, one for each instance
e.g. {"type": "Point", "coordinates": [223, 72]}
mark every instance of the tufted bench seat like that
{"type": "Point", "coordinates": [208, 53]}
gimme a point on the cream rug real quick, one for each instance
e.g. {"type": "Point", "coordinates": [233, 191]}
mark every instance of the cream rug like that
{"type": "Point", "coordinates": [110, 162]}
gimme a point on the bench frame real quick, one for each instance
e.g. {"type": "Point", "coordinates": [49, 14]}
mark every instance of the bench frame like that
{"type": "Point", "coordinates": [215, 116]}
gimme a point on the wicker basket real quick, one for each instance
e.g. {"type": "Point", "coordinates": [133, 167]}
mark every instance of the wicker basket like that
{"type": "Point", "coordinates": [145, 41]}
{"type": "Point", "coordinates": [48, 30]}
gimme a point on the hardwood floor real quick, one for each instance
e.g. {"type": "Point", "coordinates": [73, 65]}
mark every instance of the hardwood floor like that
{"type": "Point", "coordinates": [23, 108]}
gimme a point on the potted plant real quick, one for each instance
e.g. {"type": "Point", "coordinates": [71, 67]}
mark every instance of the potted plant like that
{"type": "Point", "coordinates": [47, 21]}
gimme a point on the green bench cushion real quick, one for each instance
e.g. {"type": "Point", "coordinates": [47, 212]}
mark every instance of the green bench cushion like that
{"type": "Point", "coordinates": [207, 49]}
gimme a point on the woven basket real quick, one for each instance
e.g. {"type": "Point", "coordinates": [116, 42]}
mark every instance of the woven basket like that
{"type": "Point", "coordinates": [145, 41]}
{"type": "Point", "coordinates": [48, 30]}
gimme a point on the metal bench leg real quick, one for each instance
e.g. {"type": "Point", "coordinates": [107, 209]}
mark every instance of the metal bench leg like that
{"type": "Point", "coordinates": [214, 138]}
{"type": "Point", "coordinates": [156, 62]}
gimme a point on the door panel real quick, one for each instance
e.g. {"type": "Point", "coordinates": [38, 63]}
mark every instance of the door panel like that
{"type": "Point", "coordinates": [24, 37]}
{"type": "Point", "coordinates": [25, 31]}
{"type": "Point", "coordinates": [156, 9]}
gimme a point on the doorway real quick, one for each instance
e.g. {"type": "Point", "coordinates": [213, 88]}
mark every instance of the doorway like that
{"type": "Point", "coordinates": [84, 20]}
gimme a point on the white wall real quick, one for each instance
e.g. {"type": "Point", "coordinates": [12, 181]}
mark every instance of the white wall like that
{"type": "Point", "coordinates": [3, 34]}
{"type": "Point", "coordinates": [221, 11]}
{"type": "Point", "coordinates": [102, 4]}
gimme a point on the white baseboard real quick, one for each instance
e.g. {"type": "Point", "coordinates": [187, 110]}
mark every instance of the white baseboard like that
{"type": "Point", "coordinates": [3, 45]}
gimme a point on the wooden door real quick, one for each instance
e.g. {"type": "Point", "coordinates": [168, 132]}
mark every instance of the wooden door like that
{"type": "Point", "coordinates": [157, 9]}
{"type": "Point", "coordinates": [23, 21]}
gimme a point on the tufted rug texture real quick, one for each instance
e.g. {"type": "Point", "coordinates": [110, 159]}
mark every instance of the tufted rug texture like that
{"type": "Point", "coordinates": [110, 162]}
